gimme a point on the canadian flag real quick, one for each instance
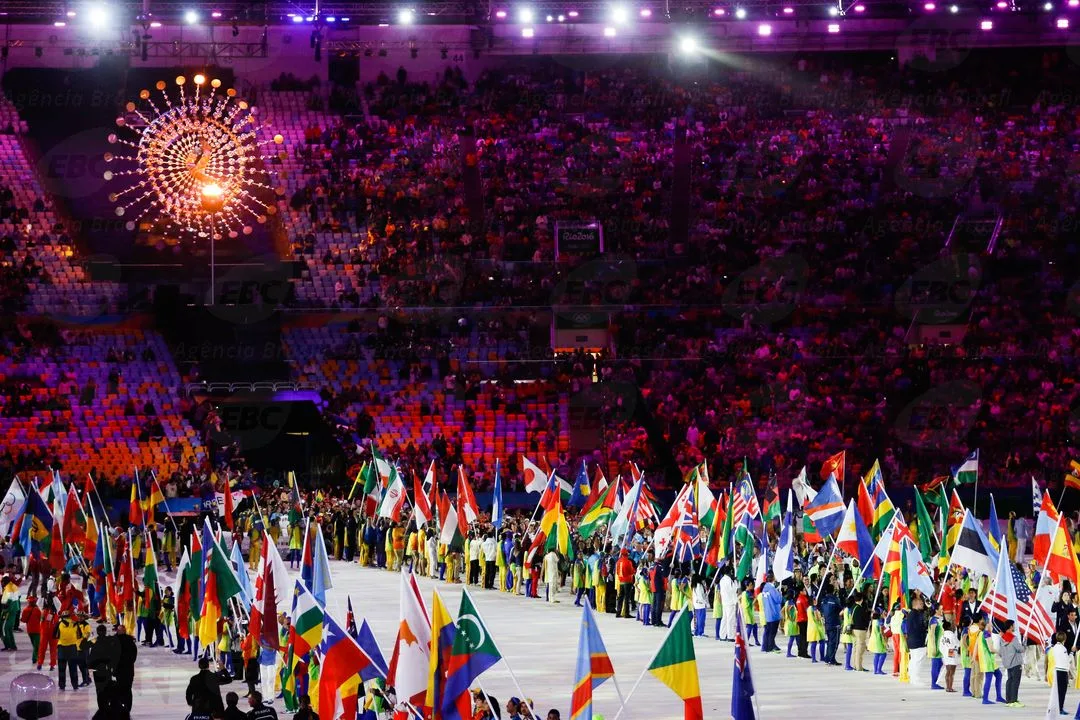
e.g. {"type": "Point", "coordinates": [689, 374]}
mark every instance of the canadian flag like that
{"type": "Point", "coordinates": [466, 498]}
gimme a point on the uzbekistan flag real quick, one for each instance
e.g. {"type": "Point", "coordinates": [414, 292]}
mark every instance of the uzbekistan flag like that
{"type": "Point", "coordinates": [593, 666]}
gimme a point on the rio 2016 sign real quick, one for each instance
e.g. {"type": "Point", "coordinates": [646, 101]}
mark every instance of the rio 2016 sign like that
{"type": "Point", "coordinates": [579, 240]}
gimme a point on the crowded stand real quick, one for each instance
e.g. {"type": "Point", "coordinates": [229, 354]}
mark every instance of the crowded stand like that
{"type": "Point", "coordinates": [781, 336]}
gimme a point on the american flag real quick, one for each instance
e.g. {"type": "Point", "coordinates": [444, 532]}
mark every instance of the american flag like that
{"type": "Point", "coordinates": [1032, 619]}
{"type": "Point", "coordinates": [744, 506]}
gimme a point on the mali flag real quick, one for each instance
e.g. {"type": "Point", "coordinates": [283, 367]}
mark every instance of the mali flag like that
{"type": "Point", "coordinates": [675, 665]}
{"type": "Point", "coordinates": [473, 652]}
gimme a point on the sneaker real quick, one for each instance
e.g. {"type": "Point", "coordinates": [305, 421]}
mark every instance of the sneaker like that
{"type": "Point", "coordinates": [1017, 704]}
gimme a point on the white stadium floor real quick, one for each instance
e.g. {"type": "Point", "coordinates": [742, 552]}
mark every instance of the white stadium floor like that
{"type": "Point", "coordinates": [540, 642]}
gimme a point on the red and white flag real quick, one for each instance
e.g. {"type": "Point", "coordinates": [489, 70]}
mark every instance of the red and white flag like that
{"type": "Point", "coordinates": [410, 662]}
{"type": "Point", "coordinates": [466, 498]}
{"type": "Point", "coordinates": [535, 478]}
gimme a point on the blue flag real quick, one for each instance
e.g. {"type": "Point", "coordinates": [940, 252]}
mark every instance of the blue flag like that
{"type": "Point", "coordinates": [582, 490]}
{"type": "Point", "coordinates": [742, 684]}
{"type": "Point", "coordinates": [366, 640]}
{"type": "Point", "coordinates": [995, 526]}
{"type": "Point", "coordinates": [497, 500]}
{"type": "Point", "coordinates": [247, 592]}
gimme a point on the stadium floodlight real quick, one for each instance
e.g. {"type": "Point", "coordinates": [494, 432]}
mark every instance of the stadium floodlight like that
{"type": "Point", "coordinates": [1063, 23]}
{"type": "Point", "coordinates": [525, 15]}
{"type": "Point", "coordinates": [688, 45]}
{"type": "Point", "coordinates": [561, 18]}
{"type": "Point", "coordinates": [191, 17]}
{"type": "Point", "coordinates": [834, 27]}
{"type": "Point", "coordinates": [645, 12]}
{"type": "Point", "coordinates": [764, 30]}
{"type": "Point", "coordinates": [609, 32]}
{"type": "Point", "coordinates": [789, 10]}
{"type": "Point", "coordinates": [620, 15]}
{"type": "Point", "coordinates": [99, 16]}
{"type": "Point", "coordinates": [954, 9]}
{"type": "Point", "coordinates": [833, 11]}
{"type": "Point", "coordinates": [986, 25]}
{"type": "Point", "coordinates": [1048, 6]}
{"type": "Point", "coordinates": [1074, 3]}
{"type": "Point", "coordinates": [527, 32]}
{"type": "Point", "coordinates": [929, 7]}
{"type": "Point", "coordinates": [740, 13]}
{"type": "Point", "coordinates": [405, 16]}
{"type": "Point", "coordinates": [501, 14]}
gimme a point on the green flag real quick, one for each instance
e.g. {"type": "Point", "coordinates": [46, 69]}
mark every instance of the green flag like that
{"type": "Point", "coordinates": [746, 561]}
{"type": "Point", "coordinates": [924, 524]}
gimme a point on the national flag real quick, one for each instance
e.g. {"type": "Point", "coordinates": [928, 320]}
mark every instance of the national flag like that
{"type": "Point", "coordinates": [968, 470]}
{"type": "Point", "coordinates": [770, 505]}
{"type": "Point", "coordinates": [135, 511]}
{"type": "Point", "coordinates": [497, 505]}
{"type": "Point", "coordinates": [393, 500]}
{"type": "Point", "coordinates": [91, 543]}
{"type": "Point", "coordinates": [1045, 527]}
{"type": "Point", "coordinates": [156, 497]}
{"type": "Point", "coordinates": [466, 498]}
{"type": "Point", "coordinates": [853, 538]}
{"type": "Point", "coordinates": [196, 577]}
{"type": "Point", "coordinates": [894, 569]}
{"type": "Point", "coordinates": [454, 525]}
{"type": "Point", "coordinates": [883, 506]}
{"type": "Point", "coordinates": [411, 659]}
{"type": "Point", "coordinates": [558, 536]}
{"type": "Point", "coordinates": [1036, 498]}
{"type": "Point", "coordinates": [625, 522]}
{"type": "Point", "coordinates": [307, 621]}
{"type": "Point", "coordinates": [827, 508]}
{"type": "Point", "coordinates": [687, 533]}
{"type": "Point", "coordinates": [956, 519]}
{"type": "Point", "coordinates": [936, 491]}
{"type": "Point", "coordinates": [74, 525]}
{"type": "Point", "coordinates": [675, 665]}
{"type": "Point", "coordinates": [973, 550]}
{"type": "Point", "coordinates": [366, 640]}
{"type": "Point", "coordinates": [422, 510]}
{"type": "Point", "coordinates": [783, 560]}
{"type": "Point", "coordinates": [342, 659]}
{"type": "Point", "coordinates": [865, 505]}
{"type": "Point", "coordinates": [535, 478]}
{"type": "Point", "coordinates": [582, 489]}
{"type": "Point", "coordinates": [1010, 598]}
{"type": "Point", "coordinates": [916, 571]}
{"type": "Point", "coordinates": [803, 492]}
{"type": "Point", "coordinates": [219, 586]}
{"type": "Point", "coordinates": [247, 590]}
{"type": "Point", "coordinates": [924, 526]}
{"type": "Point", "coordinates": [443, 632]}
{"type": "Point", "coordinates": [833, 465]}
{"type": "Point", "coordinates": [593, 666]}
{"type": "Point", "coordinates": [473, 652]}
{"type": "Point", "coordinates": [182, 592]}
{"type": "Point", "coordinates": [315, 564]}
{"type": "Point", "coordinates": [150, 566]}
{"type": "Point", "coordinates": [360, 478]}
{"type": "Point", "coordinates": [1072, 477]}
{"type": "Point", "coordinates": [706, 501]}
{"type": "Point", "coordinates": [265, 605]}
{"type": "Point", "coordinates": [1061, 561]}
{"type": "Point", "coordinates": [599, 514]}
{"type": "Point", "coordinates": [745, 504]}
{"type": "Point", "coordinates": [664, 534]}
{"type": "Point", "coordinates": [810, 531]}
{"type": "Point", "coordinates": [34, 524]}
{"type": "Point", "coordinates": [994, 526]}
{"type": "Point", "coordinates": [742, 684]}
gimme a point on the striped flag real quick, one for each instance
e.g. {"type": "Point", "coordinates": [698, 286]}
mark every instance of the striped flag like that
{"type": "Point", "coordinates": [1011, 599]}
{"type": "Point", "coordinates": [826, 510]}
{"type": "Point", "coordinates": [593, 666]}
{"type": "Point", "coordinates": [744, 504]}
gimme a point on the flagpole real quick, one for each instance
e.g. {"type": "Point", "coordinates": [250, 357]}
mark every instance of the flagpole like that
{"type": "Point", "coordinates": [647, 666]}
{"type": "Point", "coordinates": [168, 513]}
{"type": "Point", "coordinates": [618, 692]}
{"type": "Point", "coordinates": [945, 575]}
{"type": "Point", "coordinates": [513, 677]}
{"type": "Point", "coordinates": [1042, 577]}
{"type": "Point", "coordinates": [100, 502]}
